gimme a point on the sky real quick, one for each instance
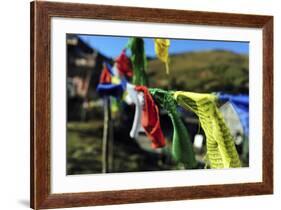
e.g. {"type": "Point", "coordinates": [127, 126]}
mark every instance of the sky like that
{"type": "Point", "coordinates": [112, 46]}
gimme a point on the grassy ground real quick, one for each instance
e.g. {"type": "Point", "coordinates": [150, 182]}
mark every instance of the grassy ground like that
{"type": "Point", "coordinates": [84, 143]}
{"type": "Point", "coordinates": [84, 151]}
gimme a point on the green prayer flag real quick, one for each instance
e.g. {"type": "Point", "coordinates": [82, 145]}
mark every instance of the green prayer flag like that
{"type": "Point", "coordinates": [182, 148]}
{"type": "Point", "coordinates": [139, 62]}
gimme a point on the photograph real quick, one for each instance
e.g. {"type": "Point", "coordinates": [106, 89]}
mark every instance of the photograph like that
{"type": "Point", "coordinates": [144, 104]}
{"type": "Point", "coordinates": [133, 104]}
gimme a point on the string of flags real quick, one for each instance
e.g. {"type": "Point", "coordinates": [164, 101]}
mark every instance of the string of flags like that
{"type": "Point", "coordinates": [115, 82]}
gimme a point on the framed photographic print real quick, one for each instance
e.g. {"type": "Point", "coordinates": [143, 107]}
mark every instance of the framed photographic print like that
{"type": "Point", "coordinates": [141, 105]}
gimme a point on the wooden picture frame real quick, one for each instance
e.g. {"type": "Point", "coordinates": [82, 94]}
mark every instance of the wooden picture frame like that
{"type": "Point", "coordinates": [41, 14]}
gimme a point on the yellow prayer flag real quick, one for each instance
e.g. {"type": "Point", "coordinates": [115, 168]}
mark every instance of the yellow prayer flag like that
{"type": "Point", "coordinates": [115, 80]}
{"type": "Point", "coordinates": [161, 50]}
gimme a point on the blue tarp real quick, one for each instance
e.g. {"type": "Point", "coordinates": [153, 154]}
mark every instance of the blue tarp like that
{"type": "Point", "coordinates": [241, 106]}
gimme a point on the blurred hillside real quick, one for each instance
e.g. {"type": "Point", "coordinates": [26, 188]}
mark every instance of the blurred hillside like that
{"type": "Point", "coordinates": [208, 71]}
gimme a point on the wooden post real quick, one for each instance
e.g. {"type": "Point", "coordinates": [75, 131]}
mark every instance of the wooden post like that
{"type": "Point", "coordinates": [106, 134]}
{"type": "Point", "coordinates": [110, 146]}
